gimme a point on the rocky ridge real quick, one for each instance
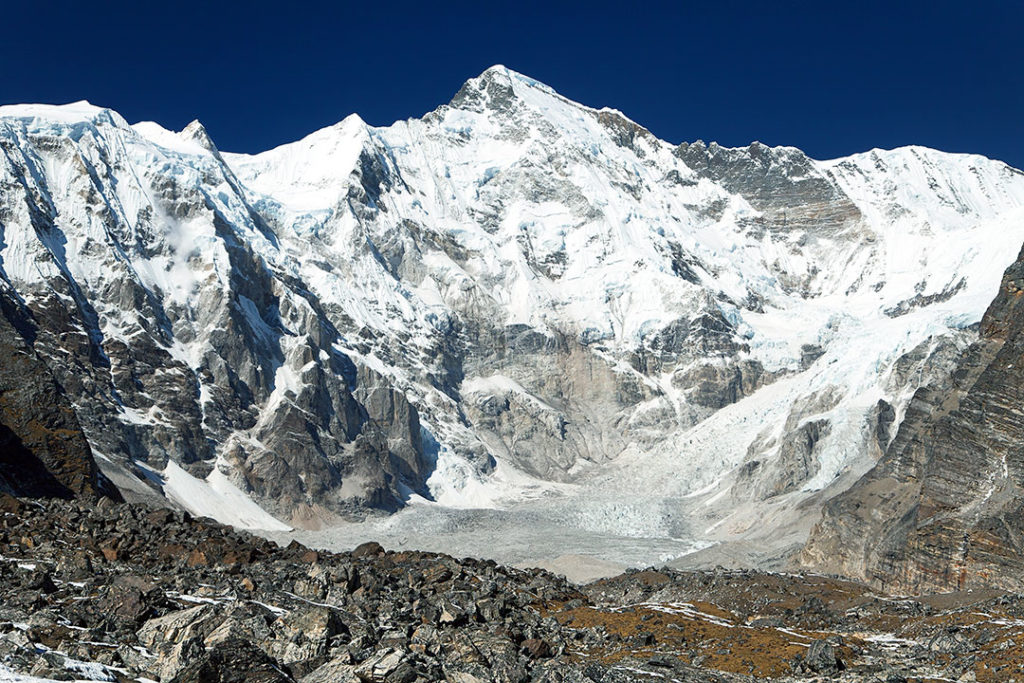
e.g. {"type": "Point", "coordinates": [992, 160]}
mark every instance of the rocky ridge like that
{"type": "Point", "coordinates": [174, 338]}
{"type": "Point", "coordinates": [942, 509]}
{"type": "Point", "coordinates": [43, 451]}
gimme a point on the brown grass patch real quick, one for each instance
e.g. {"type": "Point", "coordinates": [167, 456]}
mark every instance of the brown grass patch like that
{"type": "Point", "coordinates": [720, 642]}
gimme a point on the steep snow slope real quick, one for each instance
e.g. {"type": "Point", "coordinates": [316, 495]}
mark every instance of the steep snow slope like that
{"type": "Point", "coordinates": [180, 331]}
{"type": "Point", "coordinates": [576, 311]}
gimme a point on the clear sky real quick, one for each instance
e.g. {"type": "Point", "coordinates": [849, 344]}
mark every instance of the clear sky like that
{"type": "Point", "coordinates": [830, 77]}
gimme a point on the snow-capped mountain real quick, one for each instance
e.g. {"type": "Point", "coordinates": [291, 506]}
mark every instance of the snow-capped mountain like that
{"type": "Point", "coordinates": [514, 298]}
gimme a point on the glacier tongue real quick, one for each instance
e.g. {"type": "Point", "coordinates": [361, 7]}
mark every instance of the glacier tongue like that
{"type": "Point", "coordinates": [515, 302]}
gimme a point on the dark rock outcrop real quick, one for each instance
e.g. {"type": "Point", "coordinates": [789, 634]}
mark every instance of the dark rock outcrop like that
{"type": "Point", "coordinates": [944, 508]}
{"type": "Point", "coordinates": [43, 452]}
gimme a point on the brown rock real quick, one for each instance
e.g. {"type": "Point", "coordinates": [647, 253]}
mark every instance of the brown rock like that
{"type": "Point", "coordinates": [197, 558]}
{"type": "Point", "coordinates": [535, 648]}
{"type": "Point", "coordinates": [170, 551]}
{"type": "Point", "coordinates": [125, 602]}
{"type": "Point", "coordinates": [231, 558]}
{"type": "Point", "coordinates": [10, 504]}
{"type": "Point", "coordinates": [75, 566]}
{"type": "Point", "coordinates": [160, 517]}
{"type": "Point", "coordinates": [369, 549]}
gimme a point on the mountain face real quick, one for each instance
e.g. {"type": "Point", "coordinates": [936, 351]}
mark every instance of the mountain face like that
{"type": "Point", "coordinates": [515, 300]}
{"type": "Point", "coordinates": [942, 510]}
{"type": "Point", "coordinates": [167, 313]}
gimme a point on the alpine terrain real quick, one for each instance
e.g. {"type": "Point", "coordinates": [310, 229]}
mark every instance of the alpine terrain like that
{"type": "Point", "coordinates": [527, 328]}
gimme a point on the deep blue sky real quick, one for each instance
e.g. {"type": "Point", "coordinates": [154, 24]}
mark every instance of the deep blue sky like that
{"type": "Point", "coordinates": [830, 77]}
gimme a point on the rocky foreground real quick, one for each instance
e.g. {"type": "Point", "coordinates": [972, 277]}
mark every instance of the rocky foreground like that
{"type": "Point", "coordinates": [116, 592]}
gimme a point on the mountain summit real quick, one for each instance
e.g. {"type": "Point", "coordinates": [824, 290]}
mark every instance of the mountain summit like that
{"type": "Point", "coordinates": [516, 302]}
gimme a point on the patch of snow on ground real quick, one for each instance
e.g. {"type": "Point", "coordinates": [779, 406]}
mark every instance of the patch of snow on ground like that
{"type": "Point", "coordinates": [218, 498]}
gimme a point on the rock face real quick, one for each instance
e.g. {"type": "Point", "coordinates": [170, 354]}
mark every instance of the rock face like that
{"type": "Point", "coordinates": [479, 306]}
{"type": "Point", "coordinates": [172, 335]}
{"type": "Point", "coordinates": [942, 509]}
{"type": "Point", "coordinates": [43, 452]}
